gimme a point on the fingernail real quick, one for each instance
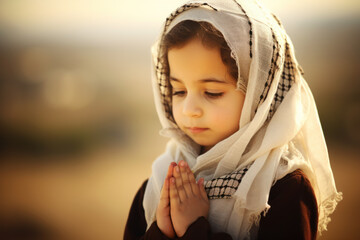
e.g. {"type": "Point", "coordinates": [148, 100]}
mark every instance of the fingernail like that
{"type": "Point", "coordinates": [172, 180]}
{"type": "Point", "coordinates": [173, 164]}
{"type": "Point", "coordinates": [177, 168]}
{"type": "Point", "coordinates": [183, 163]}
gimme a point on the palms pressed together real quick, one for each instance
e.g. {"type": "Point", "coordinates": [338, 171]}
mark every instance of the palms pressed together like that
{"type": "Point", "coordinates": [182, 201]}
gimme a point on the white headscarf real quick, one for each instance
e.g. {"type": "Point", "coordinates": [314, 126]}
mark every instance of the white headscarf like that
{"type": "Point", "coordinates": [279, 129]}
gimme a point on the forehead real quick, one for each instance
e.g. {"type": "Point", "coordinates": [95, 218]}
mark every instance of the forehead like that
{"type": "Point", "coordinates": [194, 61]}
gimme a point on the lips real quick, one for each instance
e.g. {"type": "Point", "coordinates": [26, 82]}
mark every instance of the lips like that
{"type": "Point", "coordinates": [196, 129]}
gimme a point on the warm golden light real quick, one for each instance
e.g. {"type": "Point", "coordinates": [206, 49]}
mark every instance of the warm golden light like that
{"type": "Point", "coordinates": [76, 102]}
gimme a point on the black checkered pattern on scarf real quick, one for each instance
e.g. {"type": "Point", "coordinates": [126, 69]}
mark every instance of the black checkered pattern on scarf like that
{"type": "Point", "coordinates": [162, 77]}
{"type": "Point", "coordinates": [287, 76]}
{"type": "Point", "coordinates": [286, 81]}
{"type": "Point", "coordinates": [275, 63]}
{"type": "Point", "coordinates": [225, 186]}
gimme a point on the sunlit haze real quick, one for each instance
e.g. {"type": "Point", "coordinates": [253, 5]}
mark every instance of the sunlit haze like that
{"type": "Point", "coordinates": [99, 19]}
{"type": "Point", "coordinates": [78, 126]}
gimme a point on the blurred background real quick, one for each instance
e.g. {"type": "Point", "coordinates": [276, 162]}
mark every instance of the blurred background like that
{"type": "Point", "coordinates": [76, 103]}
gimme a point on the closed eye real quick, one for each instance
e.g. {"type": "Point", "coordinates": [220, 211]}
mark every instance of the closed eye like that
{"type": "Point", "coordinates": [214, 95]}
{"type": "Point", "coordinates": [179, 93]}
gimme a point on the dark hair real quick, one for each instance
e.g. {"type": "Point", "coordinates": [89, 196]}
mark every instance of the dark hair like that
{"type": "Point", "coordinates": [187, 30]}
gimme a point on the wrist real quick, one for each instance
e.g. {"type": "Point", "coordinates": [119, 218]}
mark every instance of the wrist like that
{"type": "Point", "coordinates": [167, 231]}
{"type": "Point", "coordinates": [199, 228]}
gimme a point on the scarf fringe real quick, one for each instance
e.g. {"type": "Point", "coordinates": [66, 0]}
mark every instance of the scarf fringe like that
{"type": "Point", "coordinates": [327, 207]}
{"type": "Point", "coordinates": [255, 218]}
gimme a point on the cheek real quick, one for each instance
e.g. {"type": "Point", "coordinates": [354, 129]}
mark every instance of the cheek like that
{"type": "Point", "coordinates": [176, 110]}
{"type": "Point", "coordinates": [228, 116]}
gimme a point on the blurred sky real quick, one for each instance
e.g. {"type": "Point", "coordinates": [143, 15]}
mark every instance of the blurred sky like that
{"type": "Point", "coordinates": [97, 20]}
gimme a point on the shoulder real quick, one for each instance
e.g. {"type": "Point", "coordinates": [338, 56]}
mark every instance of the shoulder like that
{"type": "Point", "coordinates": [295, 184]}
{"type": "Point", "coordinates": [143, 186]}
{"type": "Point", "coordinates": [136, 224]}
{"type": "Point", "coordinates": [294, 191]}
{"type": "Point", "coordinates": [141, 191]}
{"type": "Point", "coordinates": [138, 199]}
{"type": "Point", "coordinates": [293, 212]}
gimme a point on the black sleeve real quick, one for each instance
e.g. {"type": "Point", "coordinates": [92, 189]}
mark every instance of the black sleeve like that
{"type": "Point", "coordinates": [293, 212]}
{"type": "Point", "coordinates": [200, 229]}
{"type": "Point", "coordinates": [135, 228]}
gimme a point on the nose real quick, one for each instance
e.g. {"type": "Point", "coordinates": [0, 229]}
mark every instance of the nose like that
{"type": "Point", "coordinates": [192, 106]}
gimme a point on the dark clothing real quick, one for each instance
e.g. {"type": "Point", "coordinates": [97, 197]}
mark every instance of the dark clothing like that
{"type": "Point", "coordinates": [293, 215]}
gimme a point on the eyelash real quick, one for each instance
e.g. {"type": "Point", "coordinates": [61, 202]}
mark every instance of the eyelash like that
{"type": "Point", "coordinates": [214, 95]}
{"type": "Point", "coordinates": [209, 94]}
{"type": "Point", "coordinates": [179, 93]}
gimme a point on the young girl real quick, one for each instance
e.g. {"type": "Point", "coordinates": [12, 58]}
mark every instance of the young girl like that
{"type": "Point", "coordinates": [246, 157]}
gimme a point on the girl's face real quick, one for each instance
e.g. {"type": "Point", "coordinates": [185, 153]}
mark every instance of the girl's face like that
{"type": "Point", "coordinates": [205, 102]}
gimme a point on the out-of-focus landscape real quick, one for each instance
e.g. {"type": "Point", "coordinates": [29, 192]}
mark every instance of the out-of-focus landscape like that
{"type": "Point", "coordinates": [78, 128]}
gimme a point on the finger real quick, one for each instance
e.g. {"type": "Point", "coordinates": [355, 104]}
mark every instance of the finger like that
{"type": "Point", "coordinates": [192, 180]}
{"type": "Point", "coordinates": [174, 196]}
{"type": "Point", "coordinates": [179, 184]}
{"type": "Point", "coordinates": [164, 194]}
{"type": "Point", "coordinates": [170, 170]}
{"type": "Point", "coordinates": [202, 189]}
{"type": "Point", "coordinates": [185, 178]}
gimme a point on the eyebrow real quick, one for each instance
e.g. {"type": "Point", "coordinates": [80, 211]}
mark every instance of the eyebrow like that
{"type": "Point", "coordinates": [206, 80]}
